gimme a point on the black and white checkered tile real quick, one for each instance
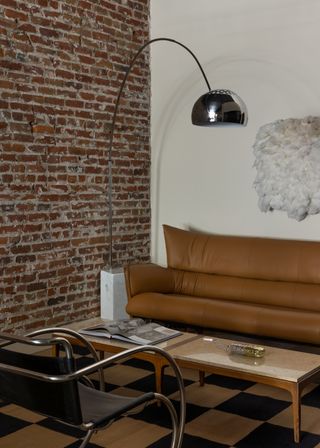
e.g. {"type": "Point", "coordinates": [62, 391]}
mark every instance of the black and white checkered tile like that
{"type": "Point", "coordinates": [224, 413]}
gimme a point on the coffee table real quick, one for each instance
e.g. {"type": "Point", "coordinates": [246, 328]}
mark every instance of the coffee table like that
{"type": "Point", "coordinates": [286, 369]}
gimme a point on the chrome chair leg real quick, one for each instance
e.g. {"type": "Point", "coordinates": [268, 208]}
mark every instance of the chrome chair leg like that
{"type": "Point", "coordinates": [174, 418]}
{"type": "Point", "coordinates": [88, 436]}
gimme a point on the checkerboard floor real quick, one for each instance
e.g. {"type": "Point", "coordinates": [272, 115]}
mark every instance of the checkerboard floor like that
{"type": "Point", "coordinates": [224, 413]}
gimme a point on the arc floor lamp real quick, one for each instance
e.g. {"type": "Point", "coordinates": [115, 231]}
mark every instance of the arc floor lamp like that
{"type": "Point", "coordinates": [214, 108]}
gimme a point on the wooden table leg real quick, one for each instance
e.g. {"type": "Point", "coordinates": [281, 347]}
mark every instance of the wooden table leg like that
{"type": "Point", "coordinates": [159, 367]}
{"type": "Point", "coordinates": [55, 350]}
{"type": "Point", "coordinates": [201, 377]}
{"type": "Point", "coordinates": [296, 411]}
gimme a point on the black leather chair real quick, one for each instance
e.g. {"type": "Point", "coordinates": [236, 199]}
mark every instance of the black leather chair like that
{"type": "Point", "coordinates": [54, 387]}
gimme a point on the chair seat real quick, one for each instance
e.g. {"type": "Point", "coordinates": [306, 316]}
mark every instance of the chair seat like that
{"type": "Point", "coordinates": [100, 407]}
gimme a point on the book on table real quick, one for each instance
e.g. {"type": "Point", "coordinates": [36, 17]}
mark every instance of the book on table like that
{"type": "Point", "coordinates": [136, 330]}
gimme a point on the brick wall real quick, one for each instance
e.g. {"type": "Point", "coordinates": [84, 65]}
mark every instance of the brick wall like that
{"type": "Point", "coordinates": [61, 65]}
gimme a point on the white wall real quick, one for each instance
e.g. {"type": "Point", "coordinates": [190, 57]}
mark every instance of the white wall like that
{"type": "Point", "coordinates": [267, 52]}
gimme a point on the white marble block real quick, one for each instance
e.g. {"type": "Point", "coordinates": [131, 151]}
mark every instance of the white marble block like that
{"type": "Point", "coordinates": [113, 295]}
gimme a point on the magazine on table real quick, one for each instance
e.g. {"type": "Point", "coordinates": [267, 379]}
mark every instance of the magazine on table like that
{"type": "Point", "coordinates": [137, 331]}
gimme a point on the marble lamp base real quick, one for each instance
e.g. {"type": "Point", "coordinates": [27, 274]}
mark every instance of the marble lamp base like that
{"type": "Point", "coordinates": [113, 296]}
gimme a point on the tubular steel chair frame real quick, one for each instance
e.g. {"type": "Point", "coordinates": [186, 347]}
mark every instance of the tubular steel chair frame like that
{"type": "Point", "coordinates": [57, 340]}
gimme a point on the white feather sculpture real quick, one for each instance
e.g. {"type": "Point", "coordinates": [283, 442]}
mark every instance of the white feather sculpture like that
{"type": "Point", "coordinates": [287, 160]}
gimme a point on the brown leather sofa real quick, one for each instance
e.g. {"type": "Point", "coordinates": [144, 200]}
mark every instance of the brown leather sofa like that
{"type": "Point", "coordinates": [256, 286]}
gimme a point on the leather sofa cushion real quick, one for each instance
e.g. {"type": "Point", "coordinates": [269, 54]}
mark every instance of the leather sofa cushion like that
{"type": "Point", "coordinates": [301, 296]}
{"type": "Point", "coordinates": [246, 257]}
{"type": "Point", "coordinates": [142, 278]}
{"type": "Point", "coordinates": [259, 320]}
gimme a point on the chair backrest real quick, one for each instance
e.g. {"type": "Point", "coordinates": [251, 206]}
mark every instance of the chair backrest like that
{"type": "Point", "coordinates": [53, 399]}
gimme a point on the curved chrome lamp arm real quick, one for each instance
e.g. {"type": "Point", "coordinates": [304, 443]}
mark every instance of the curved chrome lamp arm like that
{"type": "Point", "coordinates": [215, 107]}
{"type": "Point", "coordinates": [113, 126]}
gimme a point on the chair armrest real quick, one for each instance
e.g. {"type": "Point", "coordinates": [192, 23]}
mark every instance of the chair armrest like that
{"type": "Point", "coordinates": [56, 340]}
{"type": "Point", "coordinates": [148, 278]}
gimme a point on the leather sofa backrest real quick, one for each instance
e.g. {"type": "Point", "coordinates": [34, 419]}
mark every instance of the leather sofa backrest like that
{"type": "Point", "coordinates": [244, 257]}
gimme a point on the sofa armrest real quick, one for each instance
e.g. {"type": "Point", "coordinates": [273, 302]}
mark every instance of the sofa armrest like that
{"type": "Point", "coordinates": [148, 277]}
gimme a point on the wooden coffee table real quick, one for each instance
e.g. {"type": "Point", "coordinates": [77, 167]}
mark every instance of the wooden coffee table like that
{"type": "Point", "coordinates": [286, 369]}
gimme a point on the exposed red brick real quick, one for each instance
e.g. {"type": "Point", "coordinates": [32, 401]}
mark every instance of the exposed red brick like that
{"type": "Point", "coordinates": [15, 14]}
{"type": "Point", "coordinates": [61, 70]}
{"type": "Point", "coordinates": [42, 129]}
{"type": "Point", "coordinates": [10, 3]}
